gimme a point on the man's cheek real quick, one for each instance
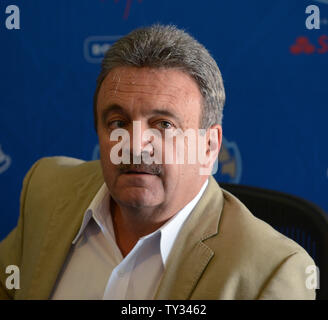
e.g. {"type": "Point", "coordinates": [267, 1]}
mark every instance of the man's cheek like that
{"type": "Point", "coordinates": [105, 151]}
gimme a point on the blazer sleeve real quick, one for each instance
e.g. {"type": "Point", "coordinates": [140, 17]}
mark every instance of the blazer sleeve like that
{"type": "Point", "coordinates": [11, 248]}
{"type": "Point", "coordinates": [290, 280]}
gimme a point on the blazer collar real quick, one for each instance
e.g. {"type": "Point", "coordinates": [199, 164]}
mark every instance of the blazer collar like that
{"type": "Point", "coordinates": [190, 255]}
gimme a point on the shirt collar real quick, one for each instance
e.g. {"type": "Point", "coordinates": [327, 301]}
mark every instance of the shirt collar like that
{"type": "Point", "coordinates": [171, 228]}
{"type": "Point", "coordinates": [99, 209]}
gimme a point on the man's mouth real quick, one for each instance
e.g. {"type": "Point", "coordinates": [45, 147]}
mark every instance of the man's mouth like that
{"type": "Point", "coordinates": [138, 172]}
{"type": "Point", "coordinates": [154, 170]}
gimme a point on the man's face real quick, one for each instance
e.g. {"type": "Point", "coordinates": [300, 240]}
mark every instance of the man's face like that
{"type": "Point", "coordinates": [161, 99]}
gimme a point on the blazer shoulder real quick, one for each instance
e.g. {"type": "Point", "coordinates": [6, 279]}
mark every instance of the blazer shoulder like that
{"type": "Point", "coordinates": [59, 164]}
{"type": "Point", "coordinates": [58, 180]}
{"type": "Point", "coordinates": [253, 251]}
{"type": "Point", "coordinates": [252, 230]}
{"type": "Point", "coordinates": [61, 171]}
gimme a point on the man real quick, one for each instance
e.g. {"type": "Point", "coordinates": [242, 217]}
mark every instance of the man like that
{"type": "Point", "coordinates": [130, 228]}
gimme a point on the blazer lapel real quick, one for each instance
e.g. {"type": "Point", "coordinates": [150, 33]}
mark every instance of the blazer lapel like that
{"type": "Point", "coordinates": [63, 226]}
{"type": "Point", "coordinates": [190, 255]}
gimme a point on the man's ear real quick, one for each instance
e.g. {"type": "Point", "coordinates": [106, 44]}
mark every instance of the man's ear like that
{"type": "Point", "coordinates": [213, 145]}
{"type": "Point", "coordinates": [214, 141]}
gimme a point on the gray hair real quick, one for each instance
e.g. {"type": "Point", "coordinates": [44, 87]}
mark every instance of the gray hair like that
{"type": "Point", "coordinates": [161, 46]}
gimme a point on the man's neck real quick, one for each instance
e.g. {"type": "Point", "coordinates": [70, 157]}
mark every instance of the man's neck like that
{"type": "Point", "coordinates": [130, 223]}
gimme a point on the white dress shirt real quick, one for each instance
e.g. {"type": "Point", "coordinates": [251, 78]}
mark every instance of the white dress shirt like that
{"type": "Point", "coordinates": [95, 267]}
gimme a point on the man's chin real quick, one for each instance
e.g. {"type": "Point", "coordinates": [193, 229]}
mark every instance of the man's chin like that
{"type": "Point", "coordinates": [137, 201]}
{"type": "Point", "coordinates": [137, 190]}
{"type": "Point", "coordinates": [138, 179]}
{"type": "Point", "coordinates": [138, 195]}
{"type": "Point", "coordinates": [131, 182]}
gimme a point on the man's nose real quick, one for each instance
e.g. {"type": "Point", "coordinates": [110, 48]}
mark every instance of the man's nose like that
{"type": "Point", "coordinates": [139, 139]}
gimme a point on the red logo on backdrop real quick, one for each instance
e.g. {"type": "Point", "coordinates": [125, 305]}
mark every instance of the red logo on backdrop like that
{"type": "Point", "coordinates": [303, 45]}
{"type": "Point", "coordinates": [127, 7]}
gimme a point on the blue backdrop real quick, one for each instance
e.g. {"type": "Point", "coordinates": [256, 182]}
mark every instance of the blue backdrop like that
{"type": "Point", "coordinates": [275, 72]}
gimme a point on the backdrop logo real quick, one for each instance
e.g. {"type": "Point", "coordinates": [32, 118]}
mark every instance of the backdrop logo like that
{"type": "Point", "coordinates": [322, 1]}
{"type": "Point", "coordinates": [303, 45]}
{"type": "Point", "coordinates": [5, 161]}
{"type": "Point", "coordinates": [95, 47]}
{"type": "Point", "coordinates": [229, 162]}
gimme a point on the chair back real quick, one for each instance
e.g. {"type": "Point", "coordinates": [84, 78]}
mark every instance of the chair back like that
{"type": "Point", "coordinates": [298, 219]}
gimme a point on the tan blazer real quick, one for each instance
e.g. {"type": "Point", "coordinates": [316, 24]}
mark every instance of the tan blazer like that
{"type": "Point", "coordinates": [222, 251]}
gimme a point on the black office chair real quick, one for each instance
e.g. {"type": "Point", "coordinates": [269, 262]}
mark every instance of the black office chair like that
{"type": "Point", "coordinates": [294, 217]}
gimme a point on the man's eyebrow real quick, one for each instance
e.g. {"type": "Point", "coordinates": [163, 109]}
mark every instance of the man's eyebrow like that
{"type": "Point", "coordinates": [165, 112]}
{"type": "Point", "coordinates": [111, 109]}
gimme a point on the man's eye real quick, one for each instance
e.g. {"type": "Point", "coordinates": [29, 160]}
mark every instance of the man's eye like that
{"type": "Point", "coordinates": [116, 124]}
{"type": "Point", "coordinates": [165, 125]}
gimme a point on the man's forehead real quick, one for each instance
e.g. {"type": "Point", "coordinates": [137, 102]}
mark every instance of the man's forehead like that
{"type": "Point", "coordinates": [159, 79]}
{"type": "Point", "coordinates": [143, 90]}
{"type": "Point", "coordinates": [132, 74]}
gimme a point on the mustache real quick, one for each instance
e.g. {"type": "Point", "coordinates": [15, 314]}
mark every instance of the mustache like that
{"type": "Point", "coordinates": [139, 165]}
{"type": "Point", "coordinates": [155, 169]}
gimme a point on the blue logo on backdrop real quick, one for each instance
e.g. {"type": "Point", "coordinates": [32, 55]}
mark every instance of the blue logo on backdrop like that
{"type": "Point", "coordinates": [322, 1]}
{"type": "Point", "coordinates": [229, 162]}
{"type": "Point", "coordinates": [95, 47]}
